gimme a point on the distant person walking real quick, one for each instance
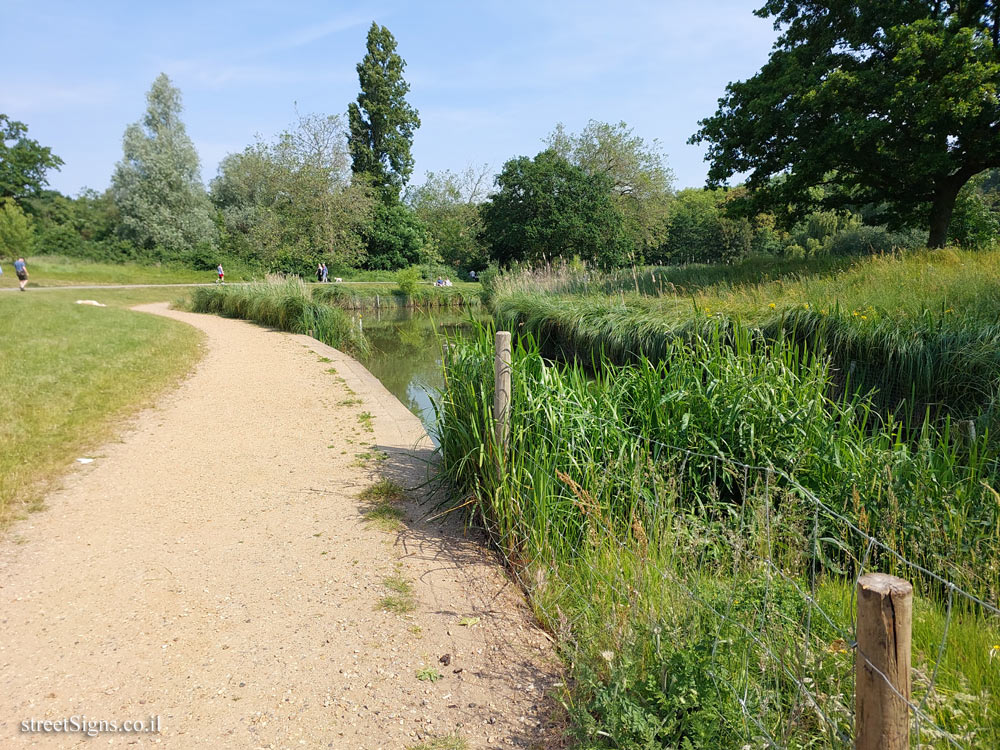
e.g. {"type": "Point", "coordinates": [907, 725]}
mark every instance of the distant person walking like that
{"type": "Point", "coordinates": [326, 273]}
{"type": "Point", "coordinates": [222, 274]}
{"type": "Point", "coordinates": [319, 272]}
{"type": "Point", "coordinates": [21, 269]}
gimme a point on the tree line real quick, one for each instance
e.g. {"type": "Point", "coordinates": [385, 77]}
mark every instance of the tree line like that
{"type": "Point", "coordinates": [872, 126]}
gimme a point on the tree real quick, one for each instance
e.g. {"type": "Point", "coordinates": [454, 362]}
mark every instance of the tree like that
{"type": "Point", "coordinates": [546, 208]}
{"type": "Point", "coordinates": [396, 238]}
{"type": "Point", "coordinates": [16, 233]}
{"type": "Point", "coordinates": [157, 184]}
{"type": "Point", "coordinates": [77, 227]}
{"type": "Point", "coordinates": [892, 103]}
{"type": "Point", "coordinates": [642, 181]}
{"type": "Point", "coordinates": [292, 203]}
{"type": "Point", "coordinates": [23, 162]}
{"type": "Point", "coordinates": [448, 204]}
{"type": "Point", "coordinates": [381, 122]}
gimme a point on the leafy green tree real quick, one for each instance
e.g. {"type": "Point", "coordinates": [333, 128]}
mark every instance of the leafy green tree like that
{"type": "Point", "coordinates": [80, 227]}
{"type": "Point", "coordinates": [546, 208]}
{"type": "Point", "coordinates": [448, 204]}
{"type": "Point", "coordinates": [292, 203]}
{"type": "Point", "coordinates": [381, 122]}
{"type": "Point", "coordinates": [892, 103]}
{"type": "Point", "coordinates": [23, 162]}
{"type": "Point", "coordinates": [643, 183]}
{"type": "Point", "coordinates": [700, 231]}
{"type": "Point", "coordinates": [16, 233]}
{"type": "Point", "coordinates": [157, 184]}
{"type": "Point", "coordinates": [396, 239]}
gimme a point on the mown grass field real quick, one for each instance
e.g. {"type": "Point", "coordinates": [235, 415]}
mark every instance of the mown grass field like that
{"type": "Point", "coordinates": [48, 271]}
{"type": "Point", "coordinates": [70, 373]}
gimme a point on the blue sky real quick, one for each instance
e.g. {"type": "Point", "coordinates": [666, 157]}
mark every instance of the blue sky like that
{"type": "Point", "coordinates": [490, 79]}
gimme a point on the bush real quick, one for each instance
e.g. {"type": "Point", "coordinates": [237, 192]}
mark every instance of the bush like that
{"type": "Point", "coordinates": [16, 234]}
{"type": "Point", "coordinates": [408, 278]}
{"type": "Point", "coordinates": [974, 224]}
{"type": "Point", "coordinates": [867, 240]}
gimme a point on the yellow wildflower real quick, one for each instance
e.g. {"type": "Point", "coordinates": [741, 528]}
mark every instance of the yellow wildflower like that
{"type": "Point", "coordinates": [771, 305]}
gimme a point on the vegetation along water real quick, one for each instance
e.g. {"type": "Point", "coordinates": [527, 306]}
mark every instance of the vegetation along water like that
{"type": "Point", "coordinates": [690, 528]}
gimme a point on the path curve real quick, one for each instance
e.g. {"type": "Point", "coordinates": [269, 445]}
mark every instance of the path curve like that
{"type": "Point", "coordinates": [214, 568]}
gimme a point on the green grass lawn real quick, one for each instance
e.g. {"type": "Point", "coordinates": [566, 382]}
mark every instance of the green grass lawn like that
{"type": "Point", "coordinates": [46, 271]}
{"type": "Point", "coordinates": [68, 375]}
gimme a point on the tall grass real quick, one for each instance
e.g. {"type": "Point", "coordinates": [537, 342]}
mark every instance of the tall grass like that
{"type": "Point", "coordinates": [923, 329]}
{"type": "Point", "coordinates": [375, 296]}
{"type": "Point", "coordinates": [285, 304]}
{"type": "Point", "coordinates": [632, 541]}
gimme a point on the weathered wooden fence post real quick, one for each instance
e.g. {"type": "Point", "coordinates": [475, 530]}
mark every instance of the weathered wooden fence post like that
{"type": "Point", "coordinates": [501, 394]}
{"type": "Point", "coordinates": [885, 618]}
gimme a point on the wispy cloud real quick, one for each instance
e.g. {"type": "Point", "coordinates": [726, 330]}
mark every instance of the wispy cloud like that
{"type": "Point", "coordinates": [313, 33]}
{"type": "Point", "coordinates": [20, 99]}
{"type": "Point", "coordinates": [249, 64]}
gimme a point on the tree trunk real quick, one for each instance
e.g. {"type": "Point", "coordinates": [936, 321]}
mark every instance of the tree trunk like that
{"type": "Point", "coordinates": [941, 210]}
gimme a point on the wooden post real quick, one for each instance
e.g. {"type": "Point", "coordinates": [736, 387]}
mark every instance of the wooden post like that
{"type": "Point", "coordinates": [501, 393]}
{"type": "Point", "coordinates": [885, 617]}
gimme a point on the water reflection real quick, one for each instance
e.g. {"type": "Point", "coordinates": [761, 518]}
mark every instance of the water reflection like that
{"type": "Point", "coordinates": [406, 354]}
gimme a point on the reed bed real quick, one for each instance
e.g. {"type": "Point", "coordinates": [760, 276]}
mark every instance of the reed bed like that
{"type": "Point", "coordinates": [285, 304]}
{"type": "Point", "coordinates": [922, 329]}
{"type": "Point", "coordinates": [662, 517]}
{"type": "Point", "coordinates": [373, 297]}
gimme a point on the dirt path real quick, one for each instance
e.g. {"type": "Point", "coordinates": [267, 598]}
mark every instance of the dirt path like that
{"type": "Point", "coordinates": [214, 568]}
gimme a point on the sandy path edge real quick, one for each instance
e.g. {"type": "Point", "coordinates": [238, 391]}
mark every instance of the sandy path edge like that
{"type": "Point", "coordinates": [213, 568]}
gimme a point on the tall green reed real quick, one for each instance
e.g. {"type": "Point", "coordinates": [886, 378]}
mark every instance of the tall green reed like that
{"type": "Point", "coordinates": [631, 534]}
{"type": "Point", "coordinates": [285, 304]}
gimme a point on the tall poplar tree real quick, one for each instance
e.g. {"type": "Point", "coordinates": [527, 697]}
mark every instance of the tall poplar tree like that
{"type": "Point", "coordinates": [381, 122]}
{"type": "Point", "coordinates": [157, 185]}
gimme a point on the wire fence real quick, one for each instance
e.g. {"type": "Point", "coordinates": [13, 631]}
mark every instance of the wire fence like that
{"type": "Point", "coordinates": [762, 584]}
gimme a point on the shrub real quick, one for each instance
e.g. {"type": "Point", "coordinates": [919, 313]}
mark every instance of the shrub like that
{"type": "Point", "coordinates": [16, 234]}
{"type": "Point", "coordinates": [408, 278]}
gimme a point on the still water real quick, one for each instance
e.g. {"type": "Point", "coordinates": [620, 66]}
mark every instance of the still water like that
{"type": "Point", "coordinates": [406, 354]}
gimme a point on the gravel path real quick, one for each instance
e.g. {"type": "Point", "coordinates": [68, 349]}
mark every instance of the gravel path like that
{"type": "Point", "coordinates": [214, 568]}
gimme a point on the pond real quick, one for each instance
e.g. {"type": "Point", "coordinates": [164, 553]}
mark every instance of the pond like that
{"type": "Point", "coordinates": [406, 353]}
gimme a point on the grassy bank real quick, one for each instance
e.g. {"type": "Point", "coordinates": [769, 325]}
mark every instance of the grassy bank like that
{"type": "Point", "coordinates": [46, 271]}
{"type": "Point", "coordinates": [922, 328]}
{"type": "Point", "coordinates": [376, 296]}
{"type": "Point", "coordinates": [700, 601]}
{"type": "Point", "coordinates": [68, 373]}
{"type": "Point", "coordinates": [287, 305]}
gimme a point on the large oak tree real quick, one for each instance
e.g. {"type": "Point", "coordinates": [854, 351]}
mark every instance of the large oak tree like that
{"type": "Point", "coordinates": [546, 208]}
{"type": "Point", "coordinates": [892, 103]}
